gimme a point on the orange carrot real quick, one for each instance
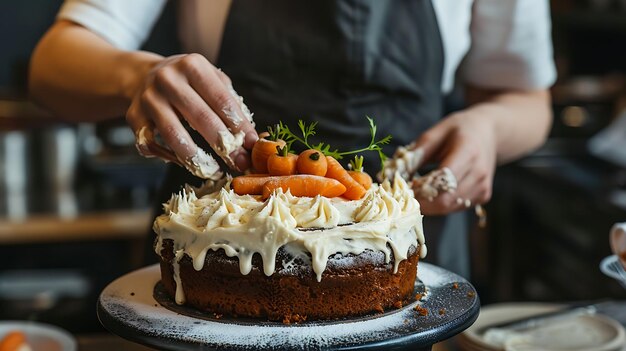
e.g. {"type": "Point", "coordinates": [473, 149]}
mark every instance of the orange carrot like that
{"type": "Point", "coordinates": [251, 184]}
{"type": "Point", "coordinates": [362, 178]}
{"type": "Point", "coordinates": [282, 162]}
{"type": "Point", "coordinates": [304, 185]}
{"type": "Point", "coordinates": [312, 162]}
{"type": "Point", "coordinates": [262, 150]}
{"type": "Point", "coordinates": [12, 341]}
{"type": "Point", "coordinates": [354, 190]}
{"type": "Point", "coordinates": [356, 172]}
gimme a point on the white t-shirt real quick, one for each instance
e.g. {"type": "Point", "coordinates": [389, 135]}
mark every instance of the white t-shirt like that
{"type": "Point", "coordinates": [491, 43]}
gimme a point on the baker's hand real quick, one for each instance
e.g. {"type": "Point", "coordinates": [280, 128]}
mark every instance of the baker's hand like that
{"type": "Point", "coordinates": [465, 143]}
{"type": "Point", "coordinates": [188, 87]}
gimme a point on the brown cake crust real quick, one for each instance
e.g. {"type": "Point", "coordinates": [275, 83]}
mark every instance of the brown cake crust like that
{"type": "Point", "coordinates": [351, 285]}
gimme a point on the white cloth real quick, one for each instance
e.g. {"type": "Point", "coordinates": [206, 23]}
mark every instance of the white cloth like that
{"type": "Point", "coordinates": [490, 43]}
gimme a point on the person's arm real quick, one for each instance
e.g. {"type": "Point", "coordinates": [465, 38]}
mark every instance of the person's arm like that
{"type": "Point", "coordinates": [80, 76]}
{"type": "Point", "coordinates": [507, 69]}
{"type": "Point", "coordinates": [496, 127]}
{"type": "Point", "coordinates": [521, 119]}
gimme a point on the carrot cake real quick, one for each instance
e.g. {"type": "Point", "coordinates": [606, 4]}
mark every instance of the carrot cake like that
{"type": "Point", "coordinates": [309, 240]}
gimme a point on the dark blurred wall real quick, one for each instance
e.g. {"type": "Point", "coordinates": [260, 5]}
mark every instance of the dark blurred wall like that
{"type": "Point", "coordinates": [22, 23]}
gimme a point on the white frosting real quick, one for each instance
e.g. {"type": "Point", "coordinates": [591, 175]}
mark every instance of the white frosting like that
{"type": "Point", "coordinates": [387, 217]}
{"type": "Point", "coordinates": [202, 165]}
{"type": "Point", "coordinates": [242, 106]}
{"type": "Point", "coordinates": [228, 142]}
{"type": "Point", "coordinates": [438, 181]}
{"type": "Point", "coordinates": [405, 161]}
{"type": "Point", "coordinates": [180, 294]}
{"type": "Point", "coordinates": [148, 147]}
{"type": "Point", "coordinates": [317, 212]}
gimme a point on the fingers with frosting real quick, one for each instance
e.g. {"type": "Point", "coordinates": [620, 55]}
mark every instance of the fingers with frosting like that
{"type": "Point", "coordinates": [189, 88]}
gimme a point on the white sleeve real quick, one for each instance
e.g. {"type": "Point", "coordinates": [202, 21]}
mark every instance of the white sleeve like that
{"type": "Point", "coordinates": [511, 45]}
{"type": "Point", "coordinates": [124, 23]}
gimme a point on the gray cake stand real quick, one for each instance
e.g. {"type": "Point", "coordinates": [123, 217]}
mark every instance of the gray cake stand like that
{"type": "Point", "coordinates": [135, 307]}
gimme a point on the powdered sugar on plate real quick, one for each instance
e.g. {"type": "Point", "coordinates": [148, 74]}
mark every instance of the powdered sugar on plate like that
{"type": "Point", "coordinates": [128, 308]}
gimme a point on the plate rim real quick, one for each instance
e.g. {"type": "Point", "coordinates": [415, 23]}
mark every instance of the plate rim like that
{"type": "Point", "coordinates": [410, 341]}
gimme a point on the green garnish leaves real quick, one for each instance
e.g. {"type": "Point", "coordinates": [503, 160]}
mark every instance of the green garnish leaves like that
{"type": "Point", "coordinates": [274, 132]}
{"type": "Point", "coordinates": [356, 164]}
{"type": "Point", "coordinates": [325, 149]}
{"type": "Point", "coordinates": [282, 151]}
{"type": "Point", "coordinates": [308, 130]}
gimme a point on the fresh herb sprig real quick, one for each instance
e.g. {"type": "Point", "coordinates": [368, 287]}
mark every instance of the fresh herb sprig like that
{"type": "Point", "coordinates": [308, 130]}
{"type": "Point", "coordinates": [356, 164]}
{"type": "Point", "coordinates": [274, 132]}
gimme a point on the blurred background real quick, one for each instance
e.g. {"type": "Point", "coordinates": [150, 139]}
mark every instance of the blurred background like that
{"type": "Point", "coordinates": [75, 200]}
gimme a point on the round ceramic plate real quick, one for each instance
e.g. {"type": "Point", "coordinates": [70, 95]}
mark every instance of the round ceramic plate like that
{"type": "Point", "coordinates": [587, 332]}
{"type": "Point", "coordinates": [128, 308]}
{"type": "Point", "coordinates": [40, 336]}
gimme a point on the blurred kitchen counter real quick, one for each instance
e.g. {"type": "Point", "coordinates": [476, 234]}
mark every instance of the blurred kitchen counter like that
{"type": "Point", "coordinates": [39, 228]}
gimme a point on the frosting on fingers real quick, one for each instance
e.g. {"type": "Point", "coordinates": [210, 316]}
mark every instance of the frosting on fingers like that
{"type": "Point", "coordinates": [228, 142]}
{"type": "Point", "coordinates": [432, 184]}
{"type": "Point", "coordinates": [404, 162]}
{"type": "Point", "coordinates": [234, 117]}
{"type": "Point", "coordinates": [202, 165]}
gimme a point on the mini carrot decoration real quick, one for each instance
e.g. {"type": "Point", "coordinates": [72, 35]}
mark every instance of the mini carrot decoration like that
{"type": "Point", "coordinates": [308, 130]}
{"type": "Point", "coordinates": [354, 190]}
{"type": "Point", "coordinates": [264, 147]}
{"type": "Point", "coordinates": [12, 341]}
{"type": "Point", "coordinates": [357, 173]}
{"type": "Point", "coordinates": [312, 162]}
{"type": "Point", "coordinates": [304, 185]}
{"type": "Point", "coordinates": [282, 162]}
{"type": "Point", "coordinates": [251, 184]}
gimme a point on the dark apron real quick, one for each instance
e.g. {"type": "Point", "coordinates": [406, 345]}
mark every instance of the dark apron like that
{"type": "Point", "coordinates": [336, 62]}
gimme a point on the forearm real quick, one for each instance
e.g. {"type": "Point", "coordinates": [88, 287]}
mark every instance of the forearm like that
{"type": "Point", "coordinates": [81, 77]}
{"type": "Point", "coordinates": [521, 119]}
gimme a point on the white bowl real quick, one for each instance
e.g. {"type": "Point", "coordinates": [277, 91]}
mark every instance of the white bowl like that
{"type": "Point", "coordinates": [41, 336]}
{"type": "Point", "coordinates": [600, 333]}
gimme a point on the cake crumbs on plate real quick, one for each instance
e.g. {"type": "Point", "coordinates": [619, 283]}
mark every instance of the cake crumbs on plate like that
{"type": "Point", "coordinates": [421, 310]}
{"type": "Point", "coordinates": [397, 304]}
{"type": "Point", "coordinates": [455, 286]}
{"type": "Point", "coordinates": [294, 318]}
{"type": "Point", "coordinates": [217, 315]}
{"type": "Point", "coordinates": [442, 311]}
{"type": "Point", "coordinates": [418, 296]}
{"type": "Point", "coordinates": [471, 294]}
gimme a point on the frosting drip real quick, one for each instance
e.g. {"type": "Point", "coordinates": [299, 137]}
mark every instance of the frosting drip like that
{"type": "Point", "coordinates": [387, 219]}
